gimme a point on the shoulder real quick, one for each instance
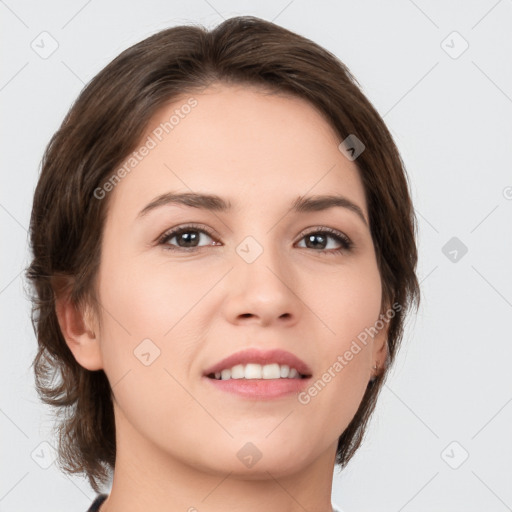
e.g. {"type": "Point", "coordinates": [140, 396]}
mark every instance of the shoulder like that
{"type": "Point", "coordinates": [100, 498]}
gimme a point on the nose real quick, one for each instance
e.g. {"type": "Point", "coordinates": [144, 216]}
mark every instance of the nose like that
{"type": "Point", "coordinates": [262, 287]}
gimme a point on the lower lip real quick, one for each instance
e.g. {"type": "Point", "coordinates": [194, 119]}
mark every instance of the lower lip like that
{"type": "Point", "coordinates": [261, 388]}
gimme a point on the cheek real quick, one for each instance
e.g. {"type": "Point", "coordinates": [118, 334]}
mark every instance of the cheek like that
{"type": "Point", "coordinates": [348, 301]}
{"type": "Point", "coordinates": [349, 307]}
{"type": "Point", "coordinates": [146, 341]}
{"type": "Point", "coordinates": [151, 299]}
{"type": "Point", "coordinates": [150, 313]}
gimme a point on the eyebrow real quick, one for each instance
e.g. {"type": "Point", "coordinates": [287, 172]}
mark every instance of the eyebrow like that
{"type": "Point", "coordinates": [214, 203]}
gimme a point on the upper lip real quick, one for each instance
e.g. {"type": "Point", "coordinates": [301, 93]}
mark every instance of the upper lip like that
{"type": "Point", "coordinates": [263, 357]}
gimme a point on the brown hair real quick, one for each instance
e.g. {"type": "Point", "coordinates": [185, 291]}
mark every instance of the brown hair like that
{"type": "Point", "coordinates": [105, 124]}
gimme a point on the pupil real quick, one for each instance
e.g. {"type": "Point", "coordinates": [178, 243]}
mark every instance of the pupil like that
{"type": "Point", "coordinates": [312, 237]}
{"type": "Point", "coordinates": [189, 238]}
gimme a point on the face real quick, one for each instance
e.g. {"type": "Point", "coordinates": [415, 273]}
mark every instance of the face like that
{"type": "Point", "coordinates": [259, 275]}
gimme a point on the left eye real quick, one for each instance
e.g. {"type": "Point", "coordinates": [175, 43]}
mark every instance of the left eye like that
{"type": "Point", "coordinates": [188, 237]}
{"type": "Point", "coordinates": [323, 235]}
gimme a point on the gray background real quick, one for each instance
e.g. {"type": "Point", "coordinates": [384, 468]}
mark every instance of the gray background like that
{"type": "Point", "coordinates": [449, 395]}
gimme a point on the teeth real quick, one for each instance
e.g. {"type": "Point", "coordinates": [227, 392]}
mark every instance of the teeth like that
{"type": "Point", "coordinates": [293, 373]}
{"type": "Point", "coordinates": [258, 371]}
{"type": "Point", "coordinates": [252, 371]}
{"type": "Point", "coordinates": [271, 371]}
{"type": "Point", "coordinates": [238, 372]}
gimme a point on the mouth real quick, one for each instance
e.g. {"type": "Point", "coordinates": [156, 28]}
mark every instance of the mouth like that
{"type": "Point", "coordinates": [252, 371]}
{"type": "Point", "coordinates": [258, 374]}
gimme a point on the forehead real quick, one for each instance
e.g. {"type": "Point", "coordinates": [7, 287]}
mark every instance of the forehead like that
{"type": "Point", "coordinates": [241, 143]}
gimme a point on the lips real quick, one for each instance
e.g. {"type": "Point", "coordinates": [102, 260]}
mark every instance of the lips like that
{"type": "Point", "coordinates": [263, 357]}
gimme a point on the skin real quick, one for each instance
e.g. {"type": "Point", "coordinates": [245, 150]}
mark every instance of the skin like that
{"type": "Point", "coordinates": [177, 436]}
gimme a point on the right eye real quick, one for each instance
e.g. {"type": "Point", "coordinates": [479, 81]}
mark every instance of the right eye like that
{"type": "Point", "coordinates": [190, 241]}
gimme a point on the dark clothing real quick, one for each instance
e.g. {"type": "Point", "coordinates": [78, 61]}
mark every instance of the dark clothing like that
{"type": "Point", "coordinates": [100, 498]}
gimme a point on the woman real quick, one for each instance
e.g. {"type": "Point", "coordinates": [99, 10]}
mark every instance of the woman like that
{"type": "Point", "coordinates": [223, 256]}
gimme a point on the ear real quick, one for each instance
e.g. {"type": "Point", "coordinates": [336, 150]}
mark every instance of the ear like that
{"type": "Point", "coordinates": [380, 346]}
{"type": "Point", "coordinates": [79, 327]}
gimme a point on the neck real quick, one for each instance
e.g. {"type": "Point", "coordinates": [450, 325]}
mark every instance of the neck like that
{"type": "Point", "coordinates": [147, 479]}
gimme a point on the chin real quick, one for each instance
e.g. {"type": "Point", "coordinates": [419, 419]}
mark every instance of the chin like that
{"type": "Point", "coordinates": [255, 459]}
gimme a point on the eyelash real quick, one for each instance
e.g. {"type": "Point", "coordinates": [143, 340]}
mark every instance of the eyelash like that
{"type": "Point", "coordinates": [346, 243]}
